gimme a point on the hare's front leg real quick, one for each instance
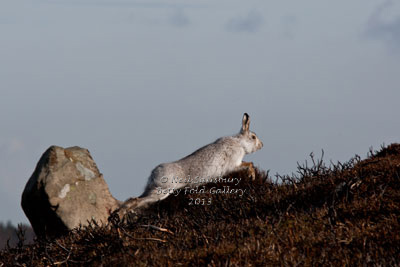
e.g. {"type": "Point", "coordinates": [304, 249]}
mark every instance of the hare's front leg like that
{"type": "Point", "coordinates": [250, 167]}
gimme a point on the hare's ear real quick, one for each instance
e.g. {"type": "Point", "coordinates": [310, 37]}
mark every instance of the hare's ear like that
{"type": "Point", "coordinates": [245, 123]}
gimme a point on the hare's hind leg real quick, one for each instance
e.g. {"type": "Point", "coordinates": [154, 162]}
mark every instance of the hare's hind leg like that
{"type": "Point", "coordinates": [250, 167]}
{"type": "Point", "coordinates": [153, 195]}
{"type": "Point", "coordinates": [133, 204]}
{"type": "Point", "coordinates": [127, 206]}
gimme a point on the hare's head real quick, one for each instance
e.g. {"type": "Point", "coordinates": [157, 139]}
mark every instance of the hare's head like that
{"type": "Point", "coordinates": [248, 139]}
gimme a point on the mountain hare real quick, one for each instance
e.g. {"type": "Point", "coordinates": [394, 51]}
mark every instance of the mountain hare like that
{"type": "Point", "coordinates": [211, 161]}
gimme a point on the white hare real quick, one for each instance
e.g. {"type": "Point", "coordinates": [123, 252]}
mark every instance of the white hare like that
{"type": "Point", "coordinates": [211, 161]}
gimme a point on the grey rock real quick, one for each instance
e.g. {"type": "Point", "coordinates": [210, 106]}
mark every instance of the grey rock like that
{"type": "Point", "coordinates": [66, 190]}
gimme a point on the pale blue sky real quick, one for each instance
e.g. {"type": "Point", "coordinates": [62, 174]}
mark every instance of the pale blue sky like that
{"type": "Point", "coordinates": [140, 83]}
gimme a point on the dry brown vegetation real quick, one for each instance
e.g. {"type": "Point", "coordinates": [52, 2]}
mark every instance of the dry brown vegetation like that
{"type": "Point", "coordinates": [11, 235]}
{"type": "Point", "coordinates": [344, 214]}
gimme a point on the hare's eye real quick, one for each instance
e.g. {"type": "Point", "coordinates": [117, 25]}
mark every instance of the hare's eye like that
{"type": "Point", "coordinates": [253, 136]}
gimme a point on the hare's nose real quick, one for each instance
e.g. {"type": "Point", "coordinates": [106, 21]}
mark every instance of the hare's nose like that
{"type": "Point", "coordinates": [261, 144]}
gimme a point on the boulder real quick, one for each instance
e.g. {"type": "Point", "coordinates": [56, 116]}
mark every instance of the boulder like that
{"type": "Point", "coordinates": [66, 190]}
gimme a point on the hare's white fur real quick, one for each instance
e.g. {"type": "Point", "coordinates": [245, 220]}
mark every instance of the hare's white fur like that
{"type": "Point", "coordinates": [211, 161]}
